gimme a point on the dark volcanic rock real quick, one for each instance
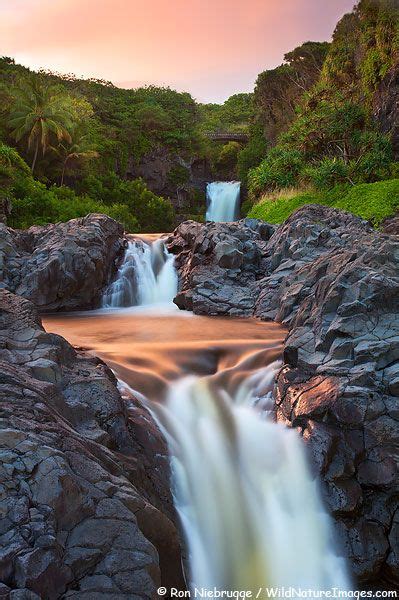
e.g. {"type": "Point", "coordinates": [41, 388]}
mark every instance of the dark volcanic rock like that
{"type": "Point", "coordinates": [386, 106]}
{"type": "Point", "coordinates": [391, 225]}
{"type": "Point", "coordinates": [63, 266]}
{"type": "Point", "coordinates": [218, 264]}
{"type": "Point", "coordinates": [85, 512]}
{"type": "Point", "coordinates": [334, 282]}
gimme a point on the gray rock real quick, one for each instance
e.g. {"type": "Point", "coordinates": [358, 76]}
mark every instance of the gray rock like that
{"type": "Point", "coordinates": [77, 515]}
{"type": "Point", "coordinates": [63, 266]}
{"type": "Point", "coordinates": [218, 264]}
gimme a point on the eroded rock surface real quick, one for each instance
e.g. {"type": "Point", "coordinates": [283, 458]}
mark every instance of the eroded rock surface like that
{"type": "Point", "coordinates": [85, 505]}
{"type": "Point", "coordinates": [218, 265]}
{"type": "Point", "coordinates": [334, 282]}
{"type": "Point", "coordinates": [63, 266]}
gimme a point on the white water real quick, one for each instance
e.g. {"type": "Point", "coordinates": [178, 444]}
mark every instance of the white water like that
{"type": "Point", "coordinates": [147, 276]}
{"type": "Point", "coordinates": [223, 201]}
{"type": "Point", "coordinates": [251, 513]}
{"type": "Point", "coordinates": [250, 510]}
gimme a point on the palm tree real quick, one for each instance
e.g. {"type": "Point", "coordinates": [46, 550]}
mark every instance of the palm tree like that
{"type": "Point", "coordinates": [40, 112]}
{"type": "Point", "coordinates": [77, 149]}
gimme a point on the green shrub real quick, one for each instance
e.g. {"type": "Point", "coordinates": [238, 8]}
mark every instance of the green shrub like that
{"type": "Point", "coordinates": [280, 169]}
{"type": "Point", "coordinates": [122, 213]}
{"type": "Point", "coordinates": [327, 173]}
{"type": "Point", "coordinates": [178, 175]}
{"type": "Point", "coordinates": [226, 161]}
{"type": "Point", "coordinates": [11, 165]}
{"type": "Point", "coordinates": [373, 201]}
{"type": "Point", "coordinates": [35, 204]}
{"type": "Point", "coordinates": [394, 170]}
{"type": "Point", "coordinates": [252, 153]}
{"type": "Point", "coordinates": [152, 213]}
{"type": "Point", "coordinates": [374, 157]}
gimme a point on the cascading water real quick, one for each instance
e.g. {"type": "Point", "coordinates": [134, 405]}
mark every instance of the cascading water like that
{"type": "Point", "coordinates": [223, 201]}
{"type": "Point", "coordinates": [250, 510]}
{"type": "Point", "coordinates": [251, 513]}
{"type": "Point", "coordinates": [146, 276]}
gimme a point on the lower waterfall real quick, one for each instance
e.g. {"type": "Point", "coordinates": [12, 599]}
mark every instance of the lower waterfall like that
{"type": "Point", "coordinates": [250, 510]}
{"type": "Point", "coordinates": [251, 513]}
{"type": "Point", "coordinates": [223, 201]}
{"type": "Point", "coordinates": [146, 276]}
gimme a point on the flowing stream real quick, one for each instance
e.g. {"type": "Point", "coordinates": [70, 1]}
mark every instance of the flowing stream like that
{"type": "Point", "coordinates": [250, 511]}
{"type": "Point", "coordinates": [146, 276]}
{"type": "Point", "coordinates": [223, 201]}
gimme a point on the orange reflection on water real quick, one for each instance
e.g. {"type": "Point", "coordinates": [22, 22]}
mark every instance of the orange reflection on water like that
{"type": "Point", "coordinates": [149, 350]}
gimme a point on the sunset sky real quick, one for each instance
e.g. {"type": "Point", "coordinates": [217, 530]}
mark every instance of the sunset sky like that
{"type": "Point", "coordinates": [210, 48]}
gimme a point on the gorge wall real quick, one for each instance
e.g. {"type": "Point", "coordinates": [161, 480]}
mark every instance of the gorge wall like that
{"type": "Point", "coordinates": [334, 282]}
{"type": "Point", "coordinates": [181, 180]}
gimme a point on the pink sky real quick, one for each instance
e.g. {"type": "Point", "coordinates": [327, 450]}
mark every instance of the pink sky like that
{"type": "Point", "coordinates": [210, 48]}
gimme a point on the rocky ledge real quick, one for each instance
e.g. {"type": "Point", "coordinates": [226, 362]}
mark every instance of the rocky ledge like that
{"type": "Point", "coordinates": [334, 282]}
{"type": "Point", "coordinates": [85, 505]}
{"type": "Point", "coordinates": [63, 266]}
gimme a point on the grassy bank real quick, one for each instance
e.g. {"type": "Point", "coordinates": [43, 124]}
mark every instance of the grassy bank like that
{"type": "Point", "coordinates": [372, 201]}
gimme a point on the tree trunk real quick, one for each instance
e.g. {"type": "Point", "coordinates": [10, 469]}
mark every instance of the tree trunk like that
{"type": "Point", "coordinates": [35, 156]}
{"type": "Point", "coordinates": [63, 173]}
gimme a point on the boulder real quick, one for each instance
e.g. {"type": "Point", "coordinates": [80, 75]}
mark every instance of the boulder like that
{"type": "Point", "coordinates": [85, 506]}
{"type": "Point", "coordinates": [391, 225]}
{"type": "Point", "coordinates": [63, 266]}
{"type": "Point", "coordinates": [218, 264]}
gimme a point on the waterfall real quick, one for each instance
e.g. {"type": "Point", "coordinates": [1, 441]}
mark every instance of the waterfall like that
{"type": "Point", "coordinates": [146, 276]}
{"type": "Point", "coordinates": [223, 201]}
{"type": "Point", "coordinates": [250, 510]}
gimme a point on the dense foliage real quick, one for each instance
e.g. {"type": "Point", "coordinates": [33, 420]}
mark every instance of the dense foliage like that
{"type": "Point", "coordinates": [333, 138]}
{"type": "Point", "coordinates": [129, 202]}
{"type": "Point", "coordinates": [232, 116]}
{"type": "Point", "coordinates": [77, 136]}
{"type": "Point", "coordinates": [69, 145]}
{"type": "Point", "coordinates": [279, 91]}
{"type": "Point", "coordinates": [90, 136]}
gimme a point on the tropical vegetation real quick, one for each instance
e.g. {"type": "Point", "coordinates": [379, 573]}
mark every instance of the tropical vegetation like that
{"type": "Point", "coordinates": [69, 145]}
{"type": "Point", "coordinates": [331, 141]}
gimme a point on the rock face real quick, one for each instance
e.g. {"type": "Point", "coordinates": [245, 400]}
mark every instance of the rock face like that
{"type": "Point", "coordinates": [335, 283]}
{"type": "Point", "coordinates": [182, 180]}
{"type": "Point", "coordinates": [391, 225]}
{"type": "Point", "coordinates": [5, 207]}
{"type": "Point", "coordinates": [85, 512]}
{"type": "Point", "coordinates": [218, 265]}
{"type": "Point", "coordinates": [63, 266]}
{"type": "Point", "coordinates": [386, 106]}
{"type": "Point", "coordinates": [154, 167]}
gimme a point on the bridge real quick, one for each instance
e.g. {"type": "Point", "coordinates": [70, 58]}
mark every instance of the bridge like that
{"type": "Point", "coordinates": [227, 137]}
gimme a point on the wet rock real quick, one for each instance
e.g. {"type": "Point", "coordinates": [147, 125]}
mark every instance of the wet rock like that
{"type": "Point", "coordinates": [85, 504]}
{"type": "Point", "coordinates": [218, 264]}
{"type": "Point", "coordinates": [227, 256]}
{"type": "Point", "coordinates": [391, 225]}
{"type": "Point", "coordinates": [62, 266]}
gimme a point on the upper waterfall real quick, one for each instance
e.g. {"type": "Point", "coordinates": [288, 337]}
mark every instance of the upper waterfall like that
{"type": "Point", "coordinates": [223, 201]}
{"type": "Point", "coordinates": [146, 276]}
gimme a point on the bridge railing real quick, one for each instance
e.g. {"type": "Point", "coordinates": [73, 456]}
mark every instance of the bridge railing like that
{"type": "Point", "coordinates": [227, 136]}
